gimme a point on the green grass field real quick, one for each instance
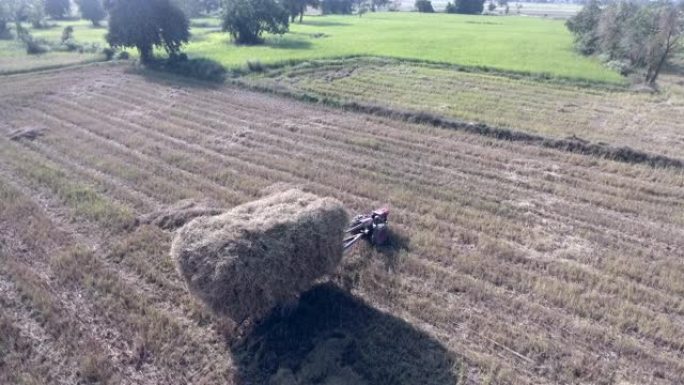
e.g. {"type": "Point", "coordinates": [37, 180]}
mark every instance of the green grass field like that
{"type": "Point", "coordinates": [520, 44]}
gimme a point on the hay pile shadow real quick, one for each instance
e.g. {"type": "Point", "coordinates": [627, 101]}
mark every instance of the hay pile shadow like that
{"type": "Point", "coordinates": [28, 133]}
{"type": "Point", "coordinates": [397, 242]}
{"type": "Point", "coordinates": [332, 337]}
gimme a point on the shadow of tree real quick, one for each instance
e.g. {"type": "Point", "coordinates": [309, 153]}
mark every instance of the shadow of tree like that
{"type": "Point", "coordinates": [331, 338]}
{"type": "Point", "coordinates": [324, 23]}
{"type": "Point", "coordinates": [286, 42]}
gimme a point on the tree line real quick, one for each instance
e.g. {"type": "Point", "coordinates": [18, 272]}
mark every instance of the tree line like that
{"type": "Point", "coordinates": [632, 36]}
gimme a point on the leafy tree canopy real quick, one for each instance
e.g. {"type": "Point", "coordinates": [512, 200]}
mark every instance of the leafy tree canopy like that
{"type": "Point", "coordinates": [92, 10]}
{"type": "Point", "coordinates": [145, 24]}
{"type": "Point", "coordinates": [57, 9]}
{"type": "Point", "coordinates": [247, 20]}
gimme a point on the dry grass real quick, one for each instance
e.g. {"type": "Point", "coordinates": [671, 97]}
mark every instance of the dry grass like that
{"type": "Point", "coordinates": [528, 265]}
{"type": "Point", "coordinates": [647, 122]}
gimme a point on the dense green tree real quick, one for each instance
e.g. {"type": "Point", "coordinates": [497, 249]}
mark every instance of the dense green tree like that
{"type": "Point", "coordinates": [375, 4]}
{"type": "Point", "coordinates": [16, 11]}
{"type": "Point", "coordinates": [92, 10]}
{"type": "Point", "coordinates": [469, 7]}
{"type": "Point", "coordinates": [630, 35]}
{"type": "Point", "coordinates": [424, 6]}
{"type": "Point", "coordinates": [656, 33]}
{"type": "Point", "coordinates": [296, 8]}
{"type": "Point", "coordinates": [584, 26]}
{"type": "Point", "coordinates": [247, 20]}
{"type": "Point", "coordinates": [145, 24]}
{"type": "Point", "coordinates": [613, 27]}
{"type": "Point", "coordinates": [337, 7]}
{"type": "Point", "coordinates": [57, 9]}
{"type": "Point", "coordinates": [8, 14]}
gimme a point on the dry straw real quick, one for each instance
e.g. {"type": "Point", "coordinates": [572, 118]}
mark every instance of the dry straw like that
{"type": "Point", "coordinates": [178, 214]}
{"type": "Point", "coordinates": [260, 254]}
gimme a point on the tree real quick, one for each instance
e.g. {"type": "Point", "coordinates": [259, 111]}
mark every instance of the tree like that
{"type": "Point", "coordinates": [491, 7]}
{"type": "Point", "coordinates": [298, 7]}
{"type": "Point", "coordinates": [584, 26]}
{"type": "Point", "coordinates": [92, 10]}
{"type": "Point", "coordinates": [147, 24]}
{"type": "Point", "coordinates": [17, 11]}
{"type": "Point", "coordinates": [246, 20]}
{"type": "Point", "coordinates": [194, 8]}
{"type": "Point", "coordinates": [660, 27]}
{"type": "Point", "coordinates": [424, 6]}
{"type": "Point", "coordinates": [8, 14]}
{"type": "Point", "coordinates": [375, 4]}
{"type": "Point", "coordinates": [337, 7]}
{"type": "Point", "coordinates": [468, 7]}
{"type": "Point", "coordinates": [57, 9]}
{"type": "Point", "coordinates": [630, 35]}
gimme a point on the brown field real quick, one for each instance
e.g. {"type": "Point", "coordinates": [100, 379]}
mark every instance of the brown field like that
{"type": "Point", "coordinates": [511, 264]}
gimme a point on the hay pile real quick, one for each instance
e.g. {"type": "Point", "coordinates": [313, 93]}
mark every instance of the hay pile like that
{"type": "Point", "coordinates": [260, 254]}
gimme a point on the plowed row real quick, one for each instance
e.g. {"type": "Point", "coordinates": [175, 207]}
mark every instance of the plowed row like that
{"type": "Point", "coordinates": [528, 265]}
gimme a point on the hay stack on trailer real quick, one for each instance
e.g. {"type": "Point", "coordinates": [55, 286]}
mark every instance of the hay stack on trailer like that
{"type": "Point", "coordinates": [246, 261]}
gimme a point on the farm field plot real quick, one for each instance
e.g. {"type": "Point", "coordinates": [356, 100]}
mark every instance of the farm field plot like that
{"type": "Point", "coordinates": [517, 264]}
{"type": "Point", "coordinates": [648, 122]}
{"type": "Point", "coordinates": [13, 58]}
{"type": "Point", "coordinates": [512, 43]}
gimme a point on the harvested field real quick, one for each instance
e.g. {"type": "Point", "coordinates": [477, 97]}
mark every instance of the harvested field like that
{"type": "Point", "coordinates": [524, 264]}
{"type": "Point", "coordinates": [646, 122]}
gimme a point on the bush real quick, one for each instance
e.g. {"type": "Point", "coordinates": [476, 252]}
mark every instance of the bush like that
{"type": "Point", "coordinates": [201, 68]}
{"type": "Point", "coordinates": [109, 53]}
{"type": "Point", "coordinates": [69, 45]}
{"type": "Point", "coordinates": [623, 67]}
{"type": "Point", "coordinates": [424, 6]}
{"type": "Point", "coordinates": [255, 66]}
{"type": "Point", "coordinates": [123, 55]}
{"type": "Point", "coordinates": [33, 46]}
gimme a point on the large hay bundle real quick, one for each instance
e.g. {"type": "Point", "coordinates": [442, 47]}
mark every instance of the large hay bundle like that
{"type": "Point", "coordinates": [260, 254]}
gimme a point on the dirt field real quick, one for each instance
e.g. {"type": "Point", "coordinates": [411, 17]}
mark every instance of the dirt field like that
{"type": "Point", "coordinates": [511, 263]}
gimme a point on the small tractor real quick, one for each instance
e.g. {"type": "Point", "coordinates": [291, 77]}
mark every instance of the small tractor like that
{"type": "Point", "coordinates": [372, 227]}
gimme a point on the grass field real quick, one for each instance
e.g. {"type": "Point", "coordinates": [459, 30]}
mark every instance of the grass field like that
{"type": "Point", "coordinates": [648, 122]}
{"type": "Point", "coordinates": [518, 264]}
{"type": "Point", "coordinates": [521, 44]}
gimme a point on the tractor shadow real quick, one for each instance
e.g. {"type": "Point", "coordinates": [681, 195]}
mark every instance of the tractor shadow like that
{"type": "Point", "coordinates": [390, 253]}
{"type": "Point", "coordinates": [331, 337]}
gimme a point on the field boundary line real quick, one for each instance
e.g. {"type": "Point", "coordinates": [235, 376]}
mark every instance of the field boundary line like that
{"type": "Point", "coordinates": [59, 67]}
{"type": "Point", "coordinates": [361, 59]}
{"type": "Point", "coordinates": [572, 144]}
